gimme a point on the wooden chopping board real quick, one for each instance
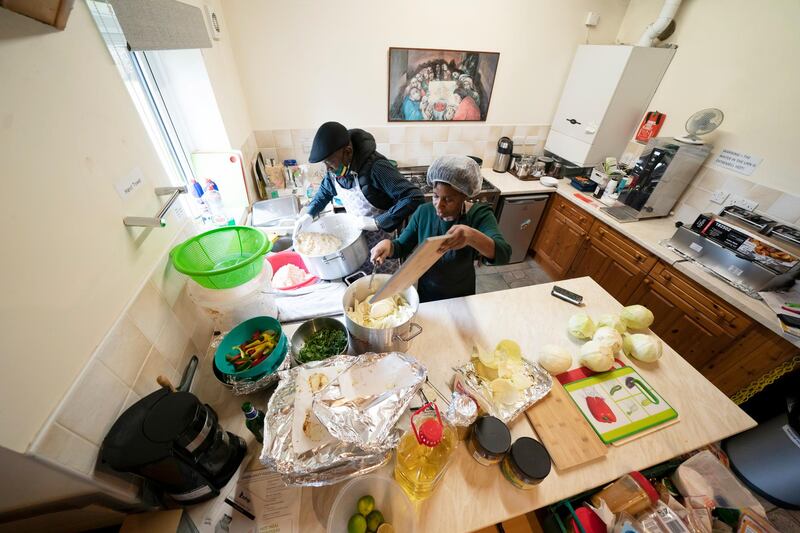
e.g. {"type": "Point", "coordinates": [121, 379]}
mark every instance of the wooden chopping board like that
{"type": "Point", "coordinates": [564, 431]}
{"type": "Point", "coordinates": [415, 266]}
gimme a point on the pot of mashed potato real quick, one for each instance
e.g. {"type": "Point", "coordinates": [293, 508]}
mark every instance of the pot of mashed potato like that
{"type": "Point", "coordinates": [386, 325]}
{"type": "Point", "coordinates": [333, 246]}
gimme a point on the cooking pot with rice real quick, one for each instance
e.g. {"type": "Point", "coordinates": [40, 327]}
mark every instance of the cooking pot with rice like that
{"type": "Point", "coordinates": [385, 326]}
{"type": "Point", "coordinates": [351, 252]}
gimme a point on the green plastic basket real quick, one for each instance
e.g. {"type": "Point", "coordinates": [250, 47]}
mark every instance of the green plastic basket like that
{"type": "Point", "coordinates": [222, 258]}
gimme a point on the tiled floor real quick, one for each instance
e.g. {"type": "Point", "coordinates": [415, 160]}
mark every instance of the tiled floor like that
{"type": "Point", "coordinates": [784, 520]}
{"type": "Point", "coordinates": [491, 278]}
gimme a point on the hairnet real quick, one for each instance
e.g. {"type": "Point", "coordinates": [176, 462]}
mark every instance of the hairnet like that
{"type": "Point", "coordinates": [459, 171]}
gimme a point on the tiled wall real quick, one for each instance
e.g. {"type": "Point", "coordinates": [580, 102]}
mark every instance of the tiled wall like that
{"type": "Point", "coordinates": [156, 335]}
{"type": "Point", "coordinates": [697, 198]}
{"type": "Point", "coordinates": [409, 145]}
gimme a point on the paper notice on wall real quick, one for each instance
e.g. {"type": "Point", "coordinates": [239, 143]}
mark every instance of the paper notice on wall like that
{"type": "Point", "coordinates": [129, 183]}
{"type": "Point", "coordinates": [744, 164]}
{"type": "Point", "coordinates": [275, 508]}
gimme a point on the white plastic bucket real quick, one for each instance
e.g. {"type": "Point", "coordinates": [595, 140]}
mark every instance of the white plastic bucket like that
{"type": "Point", "coordinates": [229, 307]}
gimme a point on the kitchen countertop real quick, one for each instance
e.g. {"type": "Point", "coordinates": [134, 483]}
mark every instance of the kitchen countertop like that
{"type": "Point", "coordinates": [648, 234]}
{"type": "Point", "coordinates": [533, 318]}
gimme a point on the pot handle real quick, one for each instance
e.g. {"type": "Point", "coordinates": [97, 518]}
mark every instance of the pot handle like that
{"type": "Point", "coordinates": [355, 276]}
{"type": "Point", "coordinates": [328, 259]}
{"type": "Point", "coordinates": [414, 330]}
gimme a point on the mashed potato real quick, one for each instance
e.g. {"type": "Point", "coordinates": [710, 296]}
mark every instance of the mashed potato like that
{"type": "Point", "coordinates": [289, 276]}
{"type": "Point", "coordinates": [384, 314]}
{"type": "Point", "coordinates": [313, 243]}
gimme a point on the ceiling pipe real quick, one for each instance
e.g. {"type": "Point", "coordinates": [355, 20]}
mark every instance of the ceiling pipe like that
{"type": "Point", "coordinates": [650, 35]}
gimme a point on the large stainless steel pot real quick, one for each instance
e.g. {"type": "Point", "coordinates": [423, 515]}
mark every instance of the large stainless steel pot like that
{"type": "Point", "coordinates": [346, 260]}
{"type": "Point", "coordinates": [364, 339]}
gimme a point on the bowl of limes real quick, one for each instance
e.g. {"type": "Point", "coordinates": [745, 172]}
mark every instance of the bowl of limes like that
{"type": "Point", "coordinates": [371, 504]}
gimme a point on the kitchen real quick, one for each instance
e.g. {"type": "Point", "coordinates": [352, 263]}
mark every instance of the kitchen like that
{"type": "Point", "coordinates": [120, 319]}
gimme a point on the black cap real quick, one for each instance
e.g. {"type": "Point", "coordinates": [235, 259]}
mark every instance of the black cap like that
{"type": "Point", "coordinates": [329, 137]}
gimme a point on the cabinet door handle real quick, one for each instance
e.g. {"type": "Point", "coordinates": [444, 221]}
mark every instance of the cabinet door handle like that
{"type": "Point", "coordinates": [601, 233]}
{"type": "Point", "coordinates": [667, 276]}
{"type": "Point", "coordinates": [572, 121]}
{"type": "Point", "coordinates": [646, 281]}
{"type": "Point", "coordinates": [582, 220]}
{"type": "Point", "coordinates": [639, 257]}
{"type": "Point", "coordinates": [587, 238]}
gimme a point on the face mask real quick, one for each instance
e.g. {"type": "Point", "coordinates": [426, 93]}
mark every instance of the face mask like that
{"type": "Point", "coordinates": [341, 170]}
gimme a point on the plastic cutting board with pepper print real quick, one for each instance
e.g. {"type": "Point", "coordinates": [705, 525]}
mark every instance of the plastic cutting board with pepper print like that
{"type": "Point", "coordinates": [619, 403]}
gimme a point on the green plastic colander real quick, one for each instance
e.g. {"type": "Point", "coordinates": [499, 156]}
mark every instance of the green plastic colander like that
{"type": "Point", "coordinates": [222, 258]}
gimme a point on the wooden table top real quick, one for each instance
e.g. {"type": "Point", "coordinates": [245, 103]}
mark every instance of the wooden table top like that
{"type": "Point", "coordinates": [472, 496]}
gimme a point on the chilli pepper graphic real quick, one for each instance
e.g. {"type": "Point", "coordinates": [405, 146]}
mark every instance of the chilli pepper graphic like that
{"type": "Point", "coordinates": [600, 410]}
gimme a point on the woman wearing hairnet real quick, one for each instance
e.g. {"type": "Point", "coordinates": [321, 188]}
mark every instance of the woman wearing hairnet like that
{"type": "Point", "coordinates": [472, 231]}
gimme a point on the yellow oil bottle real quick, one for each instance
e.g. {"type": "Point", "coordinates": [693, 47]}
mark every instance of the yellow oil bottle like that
{"type": "Point", "coordinates": [424, 452]}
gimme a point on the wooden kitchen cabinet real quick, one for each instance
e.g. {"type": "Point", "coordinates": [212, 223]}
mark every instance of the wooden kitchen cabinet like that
{"type": "Point", "coordinates": [694, 322]}
{"type": "Point", "coordinates": [558, 243]}
{"type": "Point", "coordinates": [52, 12]}
{"type": "Point", "coordinates": [749, 357]}
{"type": "Point", "coordinates": [614, 262]}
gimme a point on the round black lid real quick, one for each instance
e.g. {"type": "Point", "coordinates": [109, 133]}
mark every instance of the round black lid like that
{"type": "Point", "coordinates": [171, 416]}
{"type": "Point", "coordinates": [531, 458]}
{"type": "Point", "coordinates": [492, 434]}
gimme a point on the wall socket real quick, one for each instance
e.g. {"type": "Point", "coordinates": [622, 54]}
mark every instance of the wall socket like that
{"type": "Point", "coordinates": [742, 202]}
{"type": "Point", "coordinates": [719, 197]}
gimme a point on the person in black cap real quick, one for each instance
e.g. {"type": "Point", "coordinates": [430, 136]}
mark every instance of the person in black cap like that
{"type": "Point", "coordinates": [369, 186]}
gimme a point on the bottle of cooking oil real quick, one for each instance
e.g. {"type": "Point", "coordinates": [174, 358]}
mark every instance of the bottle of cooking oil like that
{"type": "Point", "coordinates": [424, 452]}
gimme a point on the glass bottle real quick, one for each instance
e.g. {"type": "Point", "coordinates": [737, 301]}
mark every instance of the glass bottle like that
{"type": "Point", "coordinates": [254, 420]}
{"type": "Point", "coordinates": [424, 452]}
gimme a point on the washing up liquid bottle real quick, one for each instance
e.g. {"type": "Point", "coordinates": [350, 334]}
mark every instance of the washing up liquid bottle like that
{"type": "Point", "coordinates": [213, 199]}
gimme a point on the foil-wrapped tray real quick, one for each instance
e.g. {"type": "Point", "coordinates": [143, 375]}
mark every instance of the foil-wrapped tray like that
{"type": "Point", "coordinates": [363, 404]}
{"type": "Point", "coordinates": [469, 382]}
{"type": "Point", "coordinates": [332, 461]}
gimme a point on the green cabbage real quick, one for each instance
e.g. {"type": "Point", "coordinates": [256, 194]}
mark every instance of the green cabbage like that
{"type": "Point", "coordinates": [612, 321]}
{"type": "Point", "coordinates": [641, 346]}
{"type": "Point", "coordinates": [596, 356]}
{"type": "Point", "coordinates": [637, 317]}
{"type": "Point", "coordinates": [581, 326]}
{"type": "Point", "coordinates": [608, 336]}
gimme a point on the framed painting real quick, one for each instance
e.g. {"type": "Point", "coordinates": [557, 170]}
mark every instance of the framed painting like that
{"type": "Point", "coordinates": [434, 85]}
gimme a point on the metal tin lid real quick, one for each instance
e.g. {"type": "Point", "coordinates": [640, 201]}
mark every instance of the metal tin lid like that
{"type": "Point", "coordinates": [531, 458]}
{"type": "Point", "coordinates": [492, 435]}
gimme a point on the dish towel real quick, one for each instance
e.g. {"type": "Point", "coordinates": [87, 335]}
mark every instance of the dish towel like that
{"type": "Point", "coordinates": [320, 299]}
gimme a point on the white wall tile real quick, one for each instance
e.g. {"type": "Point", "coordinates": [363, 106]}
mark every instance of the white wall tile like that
{"type": "Point", "coordinates": [264, 139]}
{"type": "Point", "coordinates": [131, 399]}
{"type": "Point", "coordinates": [168, 280]}
{"type": "Point", "coordinates": [172, 340]}
{"type": "Point", "coordinates": [124, 350]}
{"type": "Point", "coordinates": [764, 196]}
{"type": "Point", "coordinates": [396, 151]}
{"type": "Point", "coordinates": [434, 134]}
{"type": "Point", "coordinates": [149, 311]}
{"type": "Point", "coordinates": [186, 311]}
{"type": "Point", "coordinates": [66, 448]}
{"type": "Point", "coordinates": [383, 148]}
{"type": "Point", "coordinates": [155, 366]}
{"type": "Point", "coordinates": [203, 331]}
{"type": "Point", "coordinates": [419, 150]}
{"type": "Point", "coordinates": [397, 134]}
{"type": "Point", "coordinates": [735, 185]}
{"type": "Point", "coordinates": [710, 179]}
{"type": "Point", "coordinates": [283, 138]}
{"type": "Point", "coordinates": [269, 153]}
{"type": "Point", "coordinates": [786, 208]}
{"type": "Point", "coordinates": [93, 404]}
{"type": "Point", "coordinates": [686, 213]}
{"type": "Point", "coordinates": [381, 134]}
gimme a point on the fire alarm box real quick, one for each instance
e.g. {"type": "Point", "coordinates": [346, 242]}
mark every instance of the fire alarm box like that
{"type": "Point", "coordinates": [650, 126]}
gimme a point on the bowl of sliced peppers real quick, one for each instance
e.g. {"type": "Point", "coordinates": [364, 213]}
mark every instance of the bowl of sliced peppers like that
{"type": "Point", "coordinates": [254, 348]}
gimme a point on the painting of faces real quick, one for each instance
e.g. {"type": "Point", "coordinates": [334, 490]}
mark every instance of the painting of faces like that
{"type": "Point", "coordinates": [440, 84]}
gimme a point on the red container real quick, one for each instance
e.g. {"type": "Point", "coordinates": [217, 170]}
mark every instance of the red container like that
{"type": "Point", "coordinates": [285, 258]}
{"type": "Point", "coordinates": [651, 125]}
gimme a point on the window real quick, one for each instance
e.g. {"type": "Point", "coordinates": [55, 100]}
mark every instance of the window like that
{"type": "Point", "coordinates": [139, 80]}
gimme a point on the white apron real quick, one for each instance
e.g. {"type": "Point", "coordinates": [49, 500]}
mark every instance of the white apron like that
{"type": "Point", "coordinates": [355, 203]}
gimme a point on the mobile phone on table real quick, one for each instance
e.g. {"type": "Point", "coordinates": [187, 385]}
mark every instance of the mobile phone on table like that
{"type": "Point", "coordinates": [567, 296]}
